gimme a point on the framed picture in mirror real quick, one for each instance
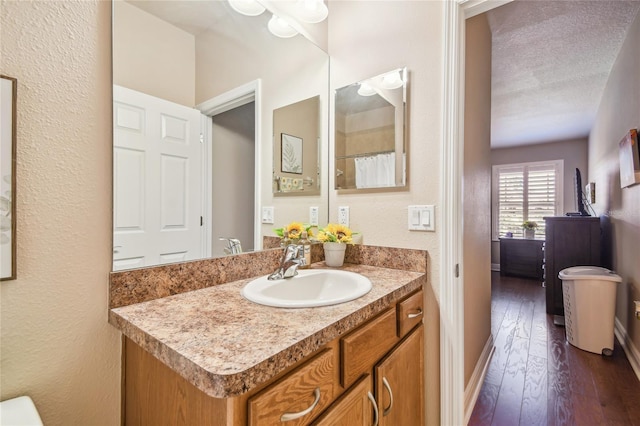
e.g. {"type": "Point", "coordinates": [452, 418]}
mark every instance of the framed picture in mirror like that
{"type": "Point", "coordinates": [291, 151]}
{"type": "Point", "coordinates": [8, 91]}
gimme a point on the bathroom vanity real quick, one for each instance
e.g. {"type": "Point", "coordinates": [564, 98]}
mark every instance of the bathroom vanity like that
{"type": "Point", "coordinates": [211, 357]}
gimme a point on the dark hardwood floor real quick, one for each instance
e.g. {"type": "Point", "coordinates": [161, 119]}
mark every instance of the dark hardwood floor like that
{"type": "Point", "coordinates": [535, 377]}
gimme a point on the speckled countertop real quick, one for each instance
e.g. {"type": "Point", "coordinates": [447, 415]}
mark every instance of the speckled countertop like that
{"type": "Point", "coordinates": [225, 345]}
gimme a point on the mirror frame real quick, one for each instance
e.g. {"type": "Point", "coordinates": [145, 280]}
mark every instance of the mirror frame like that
{"type": "Point", "coordinates": [8, 144]}
{"type": "Point", "coordinates": [405, 138]}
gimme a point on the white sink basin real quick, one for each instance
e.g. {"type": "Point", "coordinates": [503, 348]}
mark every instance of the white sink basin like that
{"type": "Point", "coordinates": [310, 288]}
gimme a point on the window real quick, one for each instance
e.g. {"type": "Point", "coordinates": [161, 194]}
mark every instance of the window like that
{"type": "Point", "coordinates": [525, 191]}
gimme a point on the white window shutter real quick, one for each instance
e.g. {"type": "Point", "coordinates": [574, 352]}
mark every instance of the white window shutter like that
{"type": "Point", "coordinates": [510, 200]}
{"type": "Point", "coordinates": [527, 191]}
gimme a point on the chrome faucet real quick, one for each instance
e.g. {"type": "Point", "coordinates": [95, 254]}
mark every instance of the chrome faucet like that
{"type": "Point", "coordinates": [292, 257]}
{"type": "Point", "coordinates": [233, 245]}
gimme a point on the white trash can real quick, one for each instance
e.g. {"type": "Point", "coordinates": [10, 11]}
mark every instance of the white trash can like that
{"type": "Point", "coordinates": [589, 294]}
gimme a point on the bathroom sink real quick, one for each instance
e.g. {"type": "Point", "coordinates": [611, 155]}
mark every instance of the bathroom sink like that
{"type": "Point", "coordinates": [310, 288]}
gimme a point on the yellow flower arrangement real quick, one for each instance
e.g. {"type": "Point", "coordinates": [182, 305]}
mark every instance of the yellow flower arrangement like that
{"type": "Point", "coordinates": [335, 233]}
{"type": "Point", "coordinates": [294, 230]}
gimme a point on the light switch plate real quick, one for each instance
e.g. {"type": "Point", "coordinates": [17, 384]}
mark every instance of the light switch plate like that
{"type": "Point", "coordinates": [421, 218]}
{"type": "Point", "coordinates": [313, 215]}
{"type": "Point", "coordinates": [268, 215]}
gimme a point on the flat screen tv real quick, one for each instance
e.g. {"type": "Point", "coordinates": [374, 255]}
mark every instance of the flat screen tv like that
{"type": "Point", "coordinates": [579, 200]}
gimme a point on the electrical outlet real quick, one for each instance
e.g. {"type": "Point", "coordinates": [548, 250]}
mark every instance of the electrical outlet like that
{"type": "Point", "coordinates": [268, 215]}
{"type": "Point", "coordinates": [343, 215]}
{"type": "Point", "coordinates": [313, 215]}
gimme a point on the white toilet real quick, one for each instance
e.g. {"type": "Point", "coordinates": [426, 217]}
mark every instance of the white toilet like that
{"type": "Point", "coordinates": [19, 411]}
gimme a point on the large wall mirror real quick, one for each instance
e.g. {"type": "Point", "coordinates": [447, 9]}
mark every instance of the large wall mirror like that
{"type": "Point", "coordinates": [370, 134]}
{"type": "Point", "coordinates": [197, 88]}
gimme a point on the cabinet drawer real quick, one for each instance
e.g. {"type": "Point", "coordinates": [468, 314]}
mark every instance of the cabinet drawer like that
{"type": "Point", "coordinates": [361, 349]}
{"type": "Point", "coordinates": [410, 313]}
{"type": "Point", "coordinates": [302, 394]}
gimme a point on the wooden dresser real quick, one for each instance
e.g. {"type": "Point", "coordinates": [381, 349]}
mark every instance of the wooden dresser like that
{"type": "Point", "coordinates": [521, 257]}
{"type": "Point", "coordinates": [570, 241]}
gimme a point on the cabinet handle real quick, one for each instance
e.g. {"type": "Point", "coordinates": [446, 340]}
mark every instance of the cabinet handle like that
{"type": "Point", "coordinates": [386, 411]}
{"type": "Point", "coordinates": [375, 408]}
{"type": "Point", "coordinates": [416, 315]}
{"type": "Point", "coordinates": [292, 416]}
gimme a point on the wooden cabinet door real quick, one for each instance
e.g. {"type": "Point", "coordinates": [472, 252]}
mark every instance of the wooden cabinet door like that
{"type": "Point", "coordinates": [400, 382]}
{"type": "Point", "coordinates": [354, 408]}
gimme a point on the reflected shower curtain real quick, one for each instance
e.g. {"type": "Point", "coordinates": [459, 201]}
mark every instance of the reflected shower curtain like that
{"type": "Point", "coordinates": [375, 171]}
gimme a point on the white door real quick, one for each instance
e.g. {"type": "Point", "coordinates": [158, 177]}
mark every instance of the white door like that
{"type": "Point", "coordinates": [157, 181]}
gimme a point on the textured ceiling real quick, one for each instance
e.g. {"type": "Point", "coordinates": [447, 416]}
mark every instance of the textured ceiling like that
{"type": "Point", "coordinates": [550, 64]}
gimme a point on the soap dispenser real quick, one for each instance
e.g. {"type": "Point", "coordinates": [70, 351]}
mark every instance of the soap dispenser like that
{"type": "Point", "coordinates": [306, 247]}
{"type": "Point", "coordinates": [285, 239]}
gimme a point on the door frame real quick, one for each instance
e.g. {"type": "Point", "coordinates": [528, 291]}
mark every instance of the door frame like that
{"type": "Point", "coordinates": [241, 95]}
{"type": "Point", "coordinates": [451, 289]}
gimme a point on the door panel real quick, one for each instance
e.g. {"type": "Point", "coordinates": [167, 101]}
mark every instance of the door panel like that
{"type": "Point", "coordinates": [157, 181]}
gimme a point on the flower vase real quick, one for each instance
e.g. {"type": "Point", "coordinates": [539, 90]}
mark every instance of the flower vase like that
{"type": "Point", "coordinates": [334, 254]}
{"type": "Point", "coordinates": [530, 234]}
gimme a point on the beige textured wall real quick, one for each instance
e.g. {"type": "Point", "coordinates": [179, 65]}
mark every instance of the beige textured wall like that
{"type": "Point", "coordinates": [56, 344]}
{"type": "Point", "coordinates": [619, 111]}
{"type": "Point", "coordinates": [477, 189]}
{"type": "Point", "coordinates": [385, 36]}
{"type": "Point", "coordinates": [412, 37]}
{"type": "Point", "coordinates": [151, 56]}
{"type": "Point", "coordinates": [573, 152]}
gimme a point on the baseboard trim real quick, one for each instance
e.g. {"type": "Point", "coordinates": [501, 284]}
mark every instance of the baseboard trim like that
{"type": "Point", "coordinates": [495, 267]}
{"type": "Point", "coordinates": [633, 355]}
{"type": "Point", "coordinates": [475, 383]}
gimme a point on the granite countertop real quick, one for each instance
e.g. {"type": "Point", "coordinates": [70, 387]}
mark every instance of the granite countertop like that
{"type": "Point", "coordinates": [226, 345]}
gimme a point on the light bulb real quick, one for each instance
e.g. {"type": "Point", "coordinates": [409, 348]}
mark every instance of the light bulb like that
{"type": "Point", "coordinates": [311, 11]}
{"type": "Point", "coordinates": [392, 80]}
{"type": "Point", "coordinates": [247, 7]}
{"type": "Point", "coordinates": [281, 28]}
{"type": "Point", "coordinates": [365, 89]}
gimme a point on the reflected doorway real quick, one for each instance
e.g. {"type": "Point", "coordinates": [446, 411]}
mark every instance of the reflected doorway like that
{"type": "Point", "coordinates": [233, 150]}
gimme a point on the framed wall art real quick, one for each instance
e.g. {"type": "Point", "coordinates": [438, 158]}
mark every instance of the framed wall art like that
{"type": "Point", "coordinates": [629, 159]}
{"type": "Point", "coordinates": [8, 91]}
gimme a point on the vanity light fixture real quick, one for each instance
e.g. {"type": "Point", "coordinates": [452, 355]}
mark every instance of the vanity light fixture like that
{"type": "Point", "coordinates": [392, 80]}
{"type": "Point", "coordinates": [365, 89]}
{"type": "Point", "coordinates": [247, 7]}
{"type": "Point", "coordinates": [281, 28]}
{"type": "Point", "coordinates": [311, 11]}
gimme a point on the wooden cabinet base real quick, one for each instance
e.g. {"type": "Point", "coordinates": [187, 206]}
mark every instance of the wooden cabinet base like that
{"type": "Point", "coordinates": [311, 389]}
{"type": "Point", "coordinates": [155, 395]}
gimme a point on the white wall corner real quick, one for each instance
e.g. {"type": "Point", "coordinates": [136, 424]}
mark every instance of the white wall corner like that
{"type": "Point", "coordinates": [633, 355]}
{"type": "Point", "coordinates": [477, 378]}
{"type": "Point", "coordinates": [495, 267]}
